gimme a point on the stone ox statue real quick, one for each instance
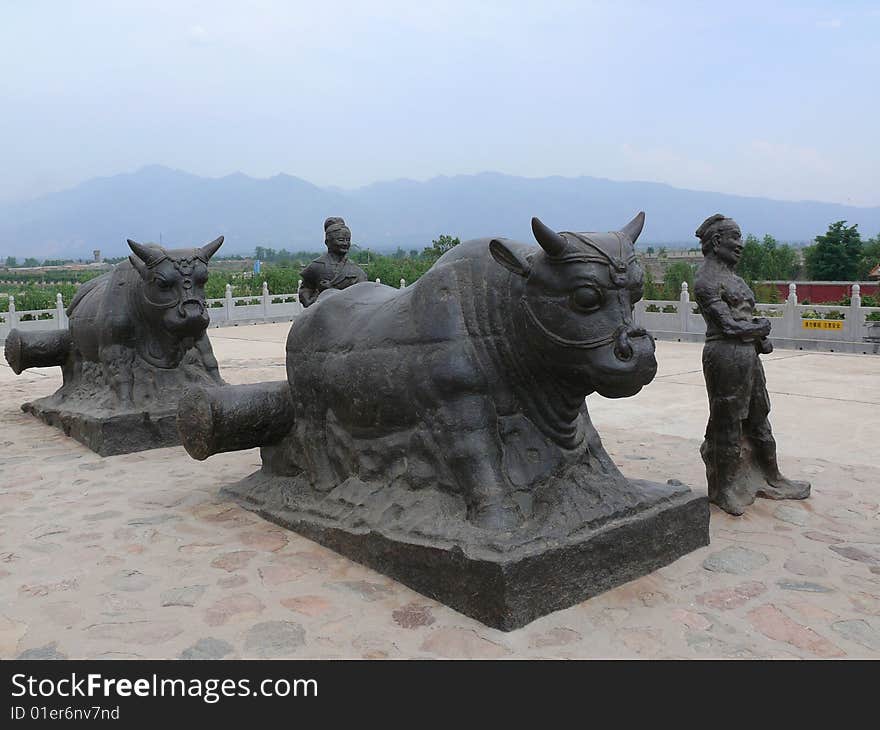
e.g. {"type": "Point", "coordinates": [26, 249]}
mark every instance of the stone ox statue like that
{"type": "Point", "coordinates": [452, 413]}
{"type": "Point", "coordinates": [136, 337]}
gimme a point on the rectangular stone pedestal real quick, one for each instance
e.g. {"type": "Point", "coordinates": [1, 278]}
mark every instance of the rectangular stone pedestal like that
{"type": "Point", "coordinates": [511, 588]}
{"type": "Point", "coordinates": [120, 433]}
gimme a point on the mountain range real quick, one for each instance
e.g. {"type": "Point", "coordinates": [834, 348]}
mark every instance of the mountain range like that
{"type": "Point", "coordinates": [183, 209]}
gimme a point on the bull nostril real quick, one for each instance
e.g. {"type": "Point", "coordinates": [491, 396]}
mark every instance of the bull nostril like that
{"type": "Point", "coordinates": [622, 349]}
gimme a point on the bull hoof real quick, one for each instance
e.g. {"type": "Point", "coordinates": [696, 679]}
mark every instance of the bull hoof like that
{"type": "Point", "coordinates": [495, 516]}
{"type": "Point", "coordinates": [782, 488]}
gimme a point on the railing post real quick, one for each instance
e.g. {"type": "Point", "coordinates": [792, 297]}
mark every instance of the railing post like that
{"type": "Point", "coordinates": [299, 306]}
{"type": "Point", "coordinates": [403, 283]}
{"type": "Point", "coordinates": [59, 312]}
{"type": "Point", "coordinates": [230, 305]}
{"type": "Point", "coordinates": [265, 300]}
{"type": "Point", "coordinates": [790, 314]}
{"type": "Point", "coordinates": [378, 280]}
{"type": "Point", "coordinates": [854, 316]}
{"type": "Point", "coordinates": [13, 318]}
{"type": "Point", "coordinates": [684, 308]}
{"type": "Point", "coordinates": [639, 314]}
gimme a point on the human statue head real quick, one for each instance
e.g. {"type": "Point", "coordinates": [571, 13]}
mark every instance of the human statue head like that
{"type": "Point", "coordinates": [721, 237]}
{"type": "Point", "coordinates": [337, 236]}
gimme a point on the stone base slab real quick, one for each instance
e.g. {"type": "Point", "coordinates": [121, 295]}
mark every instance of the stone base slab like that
{"type": "Point", "coordinates": [121, 433]}
{"type": "Point", "coordinates": [515, 587]}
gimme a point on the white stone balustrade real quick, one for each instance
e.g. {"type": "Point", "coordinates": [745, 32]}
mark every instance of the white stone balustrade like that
{"type": "Point", "coordinates": [853, 333]}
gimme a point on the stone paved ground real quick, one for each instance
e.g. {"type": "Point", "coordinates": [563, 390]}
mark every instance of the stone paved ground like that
{"type": "Point", "coordinates": [137, 556]}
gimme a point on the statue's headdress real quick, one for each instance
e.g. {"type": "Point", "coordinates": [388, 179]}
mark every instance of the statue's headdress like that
{"type": "Point", "coordinates": [333, 225]}
{"type": "Point", "coordinates": [708, 228]}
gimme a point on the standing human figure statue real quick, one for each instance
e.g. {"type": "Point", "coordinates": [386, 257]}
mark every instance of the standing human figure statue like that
{"type": "Point", "coordinates": [739, 449]}
{"type": "Point", "coordinates": [333, 270]}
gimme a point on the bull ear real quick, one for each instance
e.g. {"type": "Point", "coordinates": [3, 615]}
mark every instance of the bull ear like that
{"type": "Point", "coordinates": [509, 258]}
{"type": "Point", "coordinates": [550, 240]}
{"type": "Point", "coordinates": [139, 259]}
{"type": "Point", "coordinates": [209, 249]}
{"type": "Point", "coordinates": [632, 229]}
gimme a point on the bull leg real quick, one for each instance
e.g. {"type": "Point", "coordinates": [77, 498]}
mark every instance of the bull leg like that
{"type": "Point", "coordinates": [203, 345]}
{"type": "Point", "coordinates": [117, 363]}
{"type": "Point", "coordinates": [472, 450]}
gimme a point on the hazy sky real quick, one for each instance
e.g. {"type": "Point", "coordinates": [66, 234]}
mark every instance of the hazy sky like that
{"type": "Point", "coordinates": [777, 99]}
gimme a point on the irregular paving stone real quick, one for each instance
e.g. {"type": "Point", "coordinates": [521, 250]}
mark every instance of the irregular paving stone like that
{"type": "Point", "coordinates": [68, 584]}
{"type": "Point", "coordinates": [555, 637]}
{"type": "Point", "coordinates": [270, 540]}
{"type": "Point", "coordinates": [153, 519]}
{"type": "Point", "coordinates": [866, 603]}
{"type": "Point", "coordinates": [795, 585]}
{"type": "Point", "coordinates": [412, 616]}
{"type": "Point", "coordinates": [822, 537]}
{"type": "Point", "coordinates": [101, 516]}
{"type": "Point", "coordinates": [858, 631]}
{"type": "Point", "coordinates": [710, 646]}
{"type": "Point", "coordinates": [804, 566]}
{"type": "Point", "coordinates": [809, 610]}
{"type": "Point", "coordinates": [642, 640]}
{"type": "Point", "coordinates": [209, 648]}
{"type": "Point", "coordinates": [231, 562]}
{"type": "Point", "coordinates": [186, 596]}
{"type": "Point", "coordinates": [366, 590]}
{"type": "Point", "coordinates": [456, 643]}
{"type": "Point", "coordinates": [232, 581]}
{"type": "Point", "coordinates": [793, 515]}
{"type": "Point", "coordinates": [237, 606]}
{"type": "Point", "coordinates": [692, 620]}
{"type": "Point", "coordinates": [653, 598]}
{"type": "Point", "coordinates": [49, 651]}
{"type": "Point", "coordinates": [372, 646]}
{"type": "Point", "coordinates": [129, 580]}
{"type": "Point", "coordinates": [274, 640]}
{"type": "Point", "coordinates": [135, 632]}
{"type": "Point", "coordinates": [272, 575]}
{"type": "Point", "coordinates": [114, 604]}
{"type": "Point", "coordinates": [735, 559]}
{"type": "Point", "coordinates": [854, 553]}
{"type": "Point", "coordinates": [11, 632]}
{"type": "Point", "coordinates": [307, 605]}
{"type": "Point", "coordinates": [774, 624]}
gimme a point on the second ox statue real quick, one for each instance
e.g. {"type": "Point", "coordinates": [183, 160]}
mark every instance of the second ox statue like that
{"type": "Point", "coordinates": [136, 337]}
{"type": "Point", "coordinates": [440, 433]}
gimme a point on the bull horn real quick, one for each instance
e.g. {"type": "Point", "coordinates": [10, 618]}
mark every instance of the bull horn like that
{"type": "Point", "coordinates": [550, 240]}
{"type": "Point", "coordinates": [632, 229]}
{"type": "Point", "coordinates": [209, 249]}
{"type": "Point", "coordinates": [147, 254]}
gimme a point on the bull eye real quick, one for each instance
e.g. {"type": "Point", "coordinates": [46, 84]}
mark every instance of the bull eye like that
{"type": "Point", "coordinates": [163, 284]}
{"type": "Point", "coordinates": [586, 299]}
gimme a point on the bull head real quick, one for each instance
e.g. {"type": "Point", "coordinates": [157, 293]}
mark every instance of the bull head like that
{"type": "Point", "coordinates": [174, 285]}
{"type": "Point", "coordinates": [577, 302]}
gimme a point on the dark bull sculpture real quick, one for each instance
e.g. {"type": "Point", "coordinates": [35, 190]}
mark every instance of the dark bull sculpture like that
{"type": "Point", "coordinates": [453, 411]}
{"type": "Point", "coordinates": [136, 337]}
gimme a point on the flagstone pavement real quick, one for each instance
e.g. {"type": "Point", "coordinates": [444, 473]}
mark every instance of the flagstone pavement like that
{"type": "Point", "coordinates": [139, 556]}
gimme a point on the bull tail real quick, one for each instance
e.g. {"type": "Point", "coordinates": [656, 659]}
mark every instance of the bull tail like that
{"type": "Point", "coordinates": [25, 350]}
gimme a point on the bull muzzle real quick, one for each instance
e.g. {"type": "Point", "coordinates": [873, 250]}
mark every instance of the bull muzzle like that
{"type": "Point", "coordinates": [623, 341]}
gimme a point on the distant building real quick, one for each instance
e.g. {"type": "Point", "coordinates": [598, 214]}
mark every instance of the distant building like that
{"type": "Point", "coordinates": [97, 254]}
{"type": "Point", "coordinates": [816, 292]}
{"type": "Point", "coordinates": [660, 260]}
{"type": "Point", "coordinates": [875, 272]}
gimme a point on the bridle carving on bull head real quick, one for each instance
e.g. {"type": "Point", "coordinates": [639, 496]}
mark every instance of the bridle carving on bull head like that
{"type": "Point", "coordinates": [576, 306]}
{"type": "Point", "coordinates": [174, 283]}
